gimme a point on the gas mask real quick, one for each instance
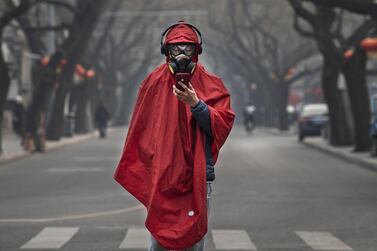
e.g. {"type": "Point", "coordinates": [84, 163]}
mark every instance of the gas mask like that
{"type": "Point", "coordinates": [181, 57]}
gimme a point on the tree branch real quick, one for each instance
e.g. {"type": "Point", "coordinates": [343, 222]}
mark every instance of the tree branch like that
{"type": "Point", "coordinates": [57, 27]}
{"type": "Point", "coordinates": [15, 11]}
{"type": "Point", "coordinates": [65, 5]}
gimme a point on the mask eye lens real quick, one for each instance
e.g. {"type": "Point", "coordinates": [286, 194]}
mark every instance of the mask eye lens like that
{"type": "Point", "coordinates": [189, 49]}
{"type": "Point", "coordinates": [174, 50]}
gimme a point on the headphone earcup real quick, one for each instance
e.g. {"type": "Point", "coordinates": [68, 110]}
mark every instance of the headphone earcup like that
{"type": "Point", "coordinates": [200, 49]}
{"type": "Point", "coordinates": [190, 67]}
{"type": "Point", "coordinates": [163, 49]}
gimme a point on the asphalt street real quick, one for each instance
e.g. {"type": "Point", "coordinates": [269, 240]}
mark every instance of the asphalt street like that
{"type": "Point", "coordinates": [270, 193]}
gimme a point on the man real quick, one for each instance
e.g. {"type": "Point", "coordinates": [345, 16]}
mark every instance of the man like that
{"type": "Point", "coordinates": [102, 117]}
{"type": "Point", "coordinates": [173, 142]}
{"type": "Point", "coordinates": [18, 116]}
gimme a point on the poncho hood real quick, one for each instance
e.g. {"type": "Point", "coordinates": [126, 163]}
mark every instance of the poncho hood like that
{"type": "Point", "coordinates": [181, 33]}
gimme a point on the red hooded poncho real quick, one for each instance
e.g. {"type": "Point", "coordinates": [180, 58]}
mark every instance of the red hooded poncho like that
{"type": "Point", "coordinates": [163, 162]}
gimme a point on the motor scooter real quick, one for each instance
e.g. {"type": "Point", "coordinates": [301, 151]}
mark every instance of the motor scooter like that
{"type": "Point", "coordinates": [249, 120]}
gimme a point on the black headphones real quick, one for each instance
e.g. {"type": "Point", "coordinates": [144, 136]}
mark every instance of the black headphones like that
{"type": "Point", "coordinates": [164, 50]}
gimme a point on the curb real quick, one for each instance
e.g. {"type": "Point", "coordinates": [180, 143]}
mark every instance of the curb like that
{"type": "Point", "coordinates": [13, 157]}
{"type": "Point", "coordinates": [51, 145]}
{"type": "Point", "coordinates": [346, 156]}
{"type": "Point", "coordinates": [355, 158]}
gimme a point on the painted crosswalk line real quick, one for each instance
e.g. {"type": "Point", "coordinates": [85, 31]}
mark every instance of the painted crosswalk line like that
{"type": "Point", "coordinates": [51, 238]}
{"type": "Point", "coordinates": [135, 238]}
{"type": "Point", "coordinates": [138, 237]}
{"type": "Point", "coordinates": [322, 241]}
{"type": "Point", "coordinates": [232, 240]}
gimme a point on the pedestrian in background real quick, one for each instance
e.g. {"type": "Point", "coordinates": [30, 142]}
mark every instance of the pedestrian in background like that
{"type": "Point", "coordinates": [181, 119]}
{"type": "Point", "coordinates": [18, 117]}
{"type": "Point", "coordinates": [101, 118]}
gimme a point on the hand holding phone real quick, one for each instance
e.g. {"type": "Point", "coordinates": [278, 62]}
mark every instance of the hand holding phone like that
{"type": "Point", "coordinates": [183, 78]}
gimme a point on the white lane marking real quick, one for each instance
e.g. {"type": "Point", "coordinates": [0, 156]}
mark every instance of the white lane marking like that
{"type": "Point", "coordinates": [96, 158]}
{"type": "Point", "coordinates": [322, 241]}
{"type": "Point", "coordinates": [111, 227]}
{"type": "Point", "coordinates": [75, 217]}
{"type": "Point", "coordinates": [136, 238]}
{"type": "Point", "coordinates": [232, 240]}
{"type": "Point", "coordinates": [51, 238]}
{"type": "Point", "coordinates": [74, 169]}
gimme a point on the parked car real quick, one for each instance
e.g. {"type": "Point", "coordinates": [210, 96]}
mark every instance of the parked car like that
{"type": "Point", "coordinates": [311, 120]}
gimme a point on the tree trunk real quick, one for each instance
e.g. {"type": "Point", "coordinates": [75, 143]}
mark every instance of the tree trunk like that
{"type": "Point", "coordinates": [4, 86]}
{"type": "Point", "coordinates": [126, 104]}
{"type": "Point", "coordinates": [81, 125]}
{"type": "Point", "coordinates": [84, 23]}
{"type": "Point", "coordinates": [56, 125]}
{"type": "Point", "coordinates": [283, 101]}
{"type": "Point", "coordinates": [272, 112]}
{"type": "Point", "coordinates": [340, 132]}
{"type": "Point", "coordinates": [355, 74]}
{"type": "Point", "coordinates": [109, 90]}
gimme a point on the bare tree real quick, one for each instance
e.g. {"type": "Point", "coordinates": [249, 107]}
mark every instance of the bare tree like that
{"type": "Point", "coordinates": [10, 13]}
{"type": "Point", "coordinates": [266, 55]}
{"type": "Point", "coordinates": [332, 42]}
{"type": "Point", "coordinates": [73, 47]}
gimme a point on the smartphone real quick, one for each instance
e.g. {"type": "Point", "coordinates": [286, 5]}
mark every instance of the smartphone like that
{"type": "Point", "coordinates": [184, 78]}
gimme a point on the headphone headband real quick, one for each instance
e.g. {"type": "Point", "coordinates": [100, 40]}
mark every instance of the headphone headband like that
{"type": "Point", "coordinates": [162, 42]}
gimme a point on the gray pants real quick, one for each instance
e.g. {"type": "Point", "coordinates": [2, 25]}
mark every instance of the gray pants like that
{"type": "Point", "coordinates": [155, 246]}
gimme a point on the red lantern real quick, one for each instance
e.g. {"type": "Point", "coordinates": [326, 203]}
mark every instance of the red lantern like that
{"type": "Point", "coordinates": [289, 74]}
{"type": "Point", "coordinates": [80, 70]}
{"type": "Point", "coordinates": [369, 44]}
{"type": "Point", "coordinates": [45, 60]}
{"type": "Point", "coordinates": [90, 74]}
{"type": "Point", "coordinates": [63, 61]}
{"type": "Point", "coordinates": [348, 54]}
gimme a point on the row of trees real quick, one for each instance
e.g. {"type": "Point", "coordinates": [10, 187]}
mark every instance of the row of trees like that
{"type": "Point", "coordinates": [78, 22]}
{"type": "Point", "coordinates": [118, 40]}
{"type": "Point", "coordinates": [324, 24]}
{"type": "Point", "coordinates": [255, 47]}
{"type": "Point", "coordinates": [261, 48]}
{"type": "Point", "coordinates": [88, 33]}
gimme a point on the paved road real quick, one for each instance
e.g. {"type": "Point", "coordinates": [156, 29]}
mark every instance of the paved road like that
{"type": "Point", "coordinates": [271, 193]}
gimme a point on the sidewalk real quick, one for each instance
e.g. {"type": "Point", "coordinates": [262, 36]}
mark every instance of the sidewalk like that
{"type": "Point", "coordinates": [318, 143]}
{"type": "Point", "coordinates": [12, 149]}
{"type": "Point", "coordinates": [345, 153]}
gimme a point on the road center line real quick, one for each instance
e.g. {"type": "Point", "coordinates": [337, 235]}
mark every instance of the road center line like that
{"type": "Point", "coordinates": [74, 169]}
{"type": "Point", "coordinates": [74, 217]}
